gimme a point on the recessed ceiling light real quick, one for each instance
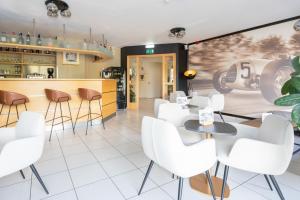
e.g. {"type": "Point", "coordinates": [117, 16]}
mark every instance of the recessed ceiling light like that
{"type": "Point", "coordinates": [150, 46]}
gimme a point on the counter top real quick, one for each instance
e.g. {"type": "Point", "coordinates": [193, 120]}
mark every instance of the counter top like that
{"type": "Point", "coordinates": [55, 79]}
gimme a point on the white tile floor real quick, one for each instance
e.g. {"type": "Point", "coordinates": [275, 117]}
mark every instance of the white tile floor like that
{"type": "Point", "coordinates": [110, 165]}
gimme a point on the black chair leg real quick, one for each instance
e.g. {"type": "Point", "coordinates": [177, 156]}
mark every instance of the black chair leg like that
{"type": "Point", "coordinates": [25, 106]}
{"type": "Point", "coordinates": [52, 122]}
{"type": "Point", "coordinates": [268, 181]}
{"type": "Point", "coordinates": [17, 112]}
{"type": "Point", "coordinates": [217, 168]}
{"type": "Point", "coordinates": [1, 108]}
{"type": "Point", "coordinates": [277, 187]}
{"type": "Point", "coordinates": [61, 116]}
{"type": "Point", "coordinates": [90, 110]}
{"type": "Point", "coordinates": [77, 115]}
{"type": "Point", "coordinates": [226, 169]}
{"type": "Point", "coordinates": [22, 174]}
{"type": "Point", "coordinates": [221, 116]}
{"type": "Point", "coordinates": [38, 177]}
{"type": "Point", "coordinates": [71, 117]}
{"type": "Point", "coordinates": [180, 186]}
{"type": "Point", "coordinates": [146, 176]}
{"type": "Point", "coordinates": [88, 119]}
{"type": "Point", "coordinates": [102, 120]}
{"type": "Point", "coordinates": [210, 184]}
{"type": "Point", "coordinates": [47, 110]}
{"type": "Point", "coordinates": [8, 116]}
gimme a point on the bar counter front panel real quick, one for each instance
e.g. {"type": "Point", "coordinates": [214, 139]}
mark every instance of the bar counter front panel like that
{"type": "Point", "coordinates": [34, 90]}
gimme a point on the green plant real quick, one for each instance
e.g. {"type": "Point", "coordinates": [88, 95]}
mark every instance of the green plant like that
{"type": "Point", "coordinates": [291, 92]}
{"type": "Point", "coordinates": [132, 94]}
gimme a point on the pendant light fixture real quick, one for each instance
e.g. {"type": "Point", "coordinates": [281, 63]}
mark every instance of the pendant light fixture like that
{"type": "Point", "coordinates": [177, 32]}
{"type": "Point", "coordinates": [56, 6]}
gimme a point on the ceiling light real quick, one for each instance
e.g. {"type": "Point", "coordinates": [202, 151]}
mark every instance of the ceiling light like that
{"type": "Point", "coordinates": [150, 46]}
{"type": "Point", "coordinates": [177, 32]}
{"type": "Point", "coordinates": [55, 6]}
{"type": "Point", "coordinates": [297, 25]}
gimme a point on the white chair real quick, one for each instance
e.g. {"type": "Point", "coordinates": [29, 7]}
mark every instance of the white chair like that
{"type": "Point", "coordinates": [23, 145]}
{"type": "Point", "coordinates": [162, 144]}
{"type": "Point", "coordinates": [200, 101]}
{"type": "Point", "coordinates": [176, 94]}
{"type": "Point", "coordinates": [268, 153]}
{"type": "Point", "coordinates": [217, 103]}
{"type": "Point", "coordinates": [157, 102]}
{"type": "Point", "coordinates": [174, 113]}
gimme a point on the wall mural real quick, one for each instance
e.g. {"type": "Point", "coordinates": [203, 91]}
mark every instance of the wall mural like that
{"type": "Point", "coordinates": [249, 67]}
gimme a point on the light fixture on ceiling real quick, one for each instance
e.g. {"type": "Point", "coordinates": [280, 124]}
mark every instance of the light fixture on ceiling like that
{"type": "Point", "coordinates": [56, 6]}
{"type": "Point", "coordinates": [150, 46]}
{"type": "Point", "coordinates": [177, 32]}
{"type": "Point", "coordinates": [297, 25]}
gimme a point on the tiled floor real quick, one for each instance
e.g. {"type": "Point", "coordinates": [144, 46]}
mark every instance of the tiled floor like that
{"type": "Point", "coordinates": [110, 165]}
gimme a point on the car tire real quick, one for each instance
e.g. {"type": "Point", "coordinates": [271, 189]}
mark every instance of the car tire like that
{"type": "Point", "coordinates": [274, 75]}
{"type": "Point", "coordinates": [217, 82]}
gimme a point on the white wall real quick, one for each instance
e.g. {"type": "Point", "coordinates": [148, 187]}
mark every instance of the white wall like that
{"type": "Point", "coordinates": [151, 86]}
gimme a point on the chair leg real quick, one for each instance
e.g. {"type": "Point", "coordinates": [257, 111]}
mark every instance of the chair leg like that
{"type": "Point", "coordinates": [1, 108]}
{"type": "Point", "coordinates": [38, 177]}
{"type": "Point", "coordinates": [71, 117]}
{"type": "Point", "coordinates": [22, 174]}
{"type": "Point", "coordinates": [47, 109]}
{"type": "Point", "coordinates": [101, 115]}
{"type": "Point", "coordinates": [268, 181]}
{"type": "Point", "coordinates": [217, 168]}
{"type": "Point", "coordinates": [180, 185]}
{"type": "Point", "coordinates": [90, 110]}
{"type": "Point", "coordinates": [210, 184]}
{"type": "Point", "coordinates": [17, 112]}
{"type": "Point", "coordinates": [226, 169]}
{"type": "Point", "coordinates": [25, 106]}
{"type": "Point", "coordinates": [8, 116]}
{"type": "Point", "coordinates": [77, 115]}
{"type": "Point", "coordinates": [221, 116]}
{"type": "Point", "coordinates": [53, 122]}
{"type": "Point", "coordinates": [277, 187]}
{"type": "Point", "coordinates": [61, 115]}
{"type": "Point", "coordinates": [88, 118]}
{"type": "Point", "coordinates": [146, 176]}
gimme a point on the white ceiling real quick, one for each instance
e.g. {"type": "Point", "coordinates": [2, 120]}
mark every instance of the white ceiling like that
{"type": "Point", "coordinates": [136, 22]}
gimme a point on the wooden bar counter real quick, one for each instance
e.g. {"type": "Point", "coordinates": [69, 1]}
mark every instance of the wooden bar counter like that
{"type": "Point", "coordinates": [34, 90]}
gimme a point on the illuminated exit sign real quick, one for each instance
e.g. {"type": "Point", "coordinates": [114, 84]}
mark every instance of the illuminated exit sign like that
{"type": "Point", "coordinates": [149, 51]}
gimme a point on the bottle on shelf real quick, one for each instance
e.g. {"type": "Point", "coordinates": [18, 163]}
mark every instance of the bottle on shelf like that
{"type": "Point", "coordinates": [39, 40]}
{"type": "Point", "coordinates": [3, 37]}
{"type": "Point", "coordinates": [28, 40]}
{"type": "Point", "coordinates": [20, 38]}
{"type": "Point", "coordinates": [13, 38]}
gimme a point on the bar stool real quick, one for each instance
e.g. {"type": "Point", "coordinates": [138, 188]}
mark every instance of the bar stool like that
{"type": "Point", "coordinates": [10, 99]}
{"type": "Point", "coordinates": [89, 95]}
{"type": "Point", "coordinates": [58, 97]}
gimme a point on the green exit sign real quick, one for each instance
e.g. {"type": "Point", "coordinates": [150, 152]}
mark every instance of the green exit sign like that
{"type": "Point", "coordinates": [149, 51]}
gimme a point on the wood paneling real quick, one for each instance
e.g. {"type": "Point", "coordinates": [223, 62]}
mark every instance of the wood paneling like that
{"type": "Point", "coordinates": [109, 109]}
{"type": "Point", "coordinates": [109, 86]}
{"type": "Point", "coordinates": [108, 97]}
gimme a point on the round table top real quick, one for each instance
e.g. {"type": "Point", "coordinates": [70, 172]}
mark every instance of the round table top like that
{"type": "Point", "coordinates": [217, 128]}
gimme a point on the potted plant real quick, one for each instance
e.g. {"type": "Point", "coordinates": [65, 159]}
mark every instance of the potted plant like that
{"type": "Point", "coordinates": [291, 92]}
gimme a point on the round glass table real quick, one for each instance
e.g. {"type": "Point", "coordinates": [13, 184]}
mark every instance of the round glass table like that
{"type": "Point", "coordinates": [200, 182]}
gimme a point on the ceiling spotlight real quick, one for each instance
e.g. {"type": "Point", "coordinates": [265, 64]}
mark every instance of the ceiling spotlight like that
{"type": "Point", "coordinates": [297, 25]}
{"type": "Point", "coordinates": [177, 32]}
{"type": "Point", "coordinates": [55, 6]}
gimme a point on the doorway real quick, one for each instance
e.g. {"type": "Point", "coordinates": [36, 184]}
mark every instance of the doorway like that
{"type": "Point", "coordinates": [150, 76]}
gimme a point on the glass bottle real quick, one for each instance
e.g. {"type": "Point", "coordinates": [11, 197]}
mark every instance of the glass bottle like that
{"type": "Point", "coordinates": [39, 40]}
{"type": "Point", "coordinates": [3, 37]}
{"type": "Point", "coordinates": [13, 38]}
{"type": "Point", "coordinates": [28, 39]}
{"type": "Point", "coordinates": [21, 39]}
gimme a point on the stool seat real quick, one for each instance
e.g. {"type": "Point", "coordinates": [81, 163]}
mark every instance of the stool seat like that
{"type": "Point", "coordinates": [89, 94]}
{"type": "Point", "coordinates": [57, 96]}
{"type": "Point", "coordinates": [12, 98]}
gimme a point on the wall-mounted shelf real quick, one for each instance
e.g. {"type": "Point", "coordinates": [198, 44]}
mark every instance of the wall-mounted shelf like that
{"type": "Point", "coordinates": [103, 52]}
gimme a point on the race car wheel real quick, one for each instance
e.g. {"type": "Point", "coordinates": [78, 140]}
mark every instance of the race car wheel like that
{"type": "Point", "coordinates": [274, 75]}
{"type": "Point", "coordinates": [219, 82]}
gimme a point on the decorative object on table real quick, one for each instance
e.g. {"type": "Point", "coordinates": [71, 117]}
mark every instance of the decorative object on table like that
{"type": "Point", "coordinates": [190, 74]}
{"type": "Point", "coordinates": [20, 38]}
{"type": "Point", "coordinates": [291, 92]}
{"type": "Point", "coordinates": [70, 58]}
{"type": "Point", "coordinates": [28, 40]}
{"type": "Point", "coordinates": [55, 6]}
{"type": "Point", "coordinates": [39, 40]}
{"type": "Point", "coordinates": [206, 116]}
{"type": "Point", "coordinates": [50, 72]}
{"type": "Point", "coordinates": [177, 32]}
{"type": "Point", "coordinates": [3, 37]}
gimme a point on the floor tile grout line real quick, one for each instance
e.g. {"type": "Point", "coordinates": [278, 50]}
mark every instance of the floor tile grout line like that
{"type": "Point", "coordinates": [103, 169]}
{"type": "Point", "coordinates": [67, 167]}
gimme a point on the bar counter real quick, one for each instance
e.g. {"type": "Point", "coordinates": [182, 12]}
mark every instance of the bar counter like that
{"type": "Point", "coordinates": [34, 90]}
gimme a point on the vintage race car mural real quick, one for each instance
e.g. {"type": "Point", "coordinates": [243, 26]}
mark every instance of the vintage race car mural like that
{"type": "Point", "coordinates": [252, 75]}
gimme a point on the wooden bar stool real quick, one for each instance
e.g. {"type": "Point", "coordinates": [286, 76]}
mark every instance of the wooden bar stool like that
{"type": "Point", "coordinates": [89, 95]}
{"type": "Point", "coordinates": [58, 97]}
{"type": "Point", "coordinates": [10, 99]}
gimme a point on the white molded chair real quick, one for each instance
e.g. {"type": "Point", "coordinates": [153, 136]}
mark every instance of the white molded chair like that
{"type": "Point", "coordinates": [174, 95]}
{"type": "Point", "coordinates": [174, 113]}
{"type": "Point", "coordinates": [268, 153]}
{"type": "Point", "coordinates": [162, 144]}
{"type": "Point", "coordinates": [157, 102]}
{"type": "Point", "coordinates": [200, 101]}
{"type": "Point", "coordinates": [217, 103]}
{"type": "Point", "coordinates": [23, 145]}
